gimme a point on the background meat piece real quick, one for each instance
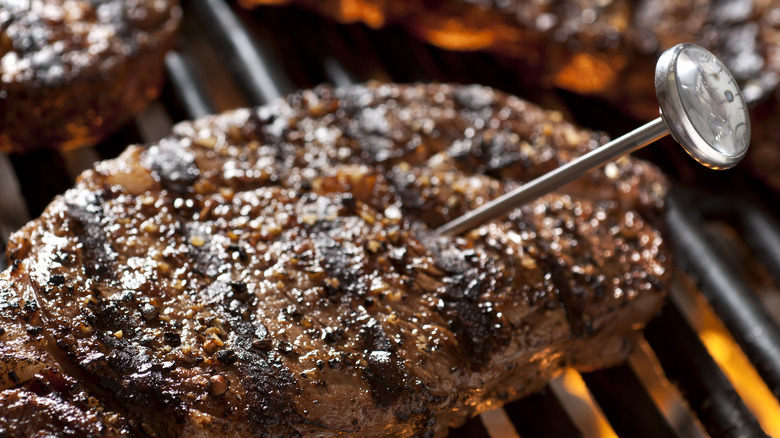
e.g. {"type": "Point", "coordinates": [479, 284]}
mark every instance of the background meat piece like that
{"type": "Point", "coordinates": [605, 49]}
{"type": "Point", "coordinates": [71, 71]}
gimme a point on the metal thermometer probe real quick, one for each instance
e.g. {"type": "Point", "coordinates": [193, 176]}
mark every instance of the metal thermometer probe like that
{"type": "Point", "coordinates": [701, 106]}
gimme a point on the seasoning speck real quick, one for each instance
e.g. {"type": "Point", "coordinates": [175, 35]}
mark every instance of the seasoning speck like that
{"type": "Point", "coordinates": [219, 385]}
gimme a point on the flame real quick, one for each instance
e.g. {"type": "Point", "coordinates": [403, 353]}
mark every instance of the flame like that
{"type": "Point", "coordinates": [369, 12]}
{"type": "Point", "coordinates": [580, 405]}
{"type": "Point", "coordinates": [589, 72]}
{"type": "Point", "coordinates": [452, 34]}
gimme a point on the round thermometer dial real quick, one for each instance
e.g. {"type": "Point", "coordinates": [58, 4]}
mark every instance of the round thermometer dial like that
{"type": "Point", "coordinates": [702, 106]}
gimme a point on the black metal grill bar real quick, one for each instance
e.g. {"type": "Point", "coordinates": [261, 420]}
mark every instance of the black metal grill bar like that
{"type": "Point", "coordinates": [293, 57]}
{"type": "Point", "coordinates": [689, 366]}
{"type": "Point", "coordinates": [627, 405]}
{"type": "Point", "coordinates": [42, 176]}
{"type": "Point", "coordinates": [114, 145]}
{"type": "Point", "coordinates": [749, 323]}
{"type": "Point", "coordinates": [472, 429]}
{"type": "Point", "coordinates": [343, 52]}
{"type": "Point", "coordinates": [187, 87]}
{"type": "Point", "coordinates": [541, 415]}
{"type": "Point", "coordinates": [357, 50]}
{"type": "Point", "coordinates": [762, 234]}
{"type": "Point", "coordinates": [313, 47]}
{"type": "Point", "coordinates": [398, 61]}
{"type": "Point", "coordinates": [760, 230]}
{"type": "Point", "coordinates": [251, 62]}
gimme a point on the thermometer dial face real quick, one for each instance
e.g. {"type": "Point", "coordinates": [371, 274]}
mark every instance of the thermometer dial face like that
{"type": "Point", "coordinates": [703, 106]}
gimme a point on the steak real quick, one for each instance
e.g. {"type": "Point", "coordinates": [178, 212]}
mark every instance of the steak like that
{"type": "Point", "coordinates": [274, 272]}
{"type": "Point", "coordinates": [603, 49]}
{"type": "Point", "coordinates": [71, 71]}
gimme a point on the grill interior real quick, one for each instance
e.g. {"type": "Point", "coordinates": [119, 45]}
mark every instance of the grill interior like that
{"type": "Point", "coordinates": [709, 364]}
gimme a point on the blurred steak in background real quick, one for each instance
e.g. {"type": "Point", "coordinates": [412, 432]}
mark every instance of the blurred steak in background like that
{"type": "Point", "coordinates": [73, 71]}
{"type": "Point", "coordinates": [605, 49]}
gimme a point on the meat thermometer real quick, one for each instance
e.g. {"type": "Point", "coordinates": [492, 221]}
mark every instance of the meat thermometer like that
{"type": "Point", "coordinates": [701, 105]}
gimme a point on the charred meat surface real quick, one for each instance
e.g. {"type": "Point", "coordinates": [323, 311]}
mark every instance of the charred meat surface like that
{"type": "Point", "coordinates": [71, 71]}
{"type": "Point", "coordinates": [275, 270]}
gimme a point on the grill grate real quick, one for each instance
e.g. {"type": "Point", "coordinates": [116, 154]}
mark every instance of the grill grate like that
{"type": "Point", "coordinates": [671, 387]}
{"type": "Point", "coordinates": [688, 365]}
{"type": "Point", "coordinates": [746, 319]}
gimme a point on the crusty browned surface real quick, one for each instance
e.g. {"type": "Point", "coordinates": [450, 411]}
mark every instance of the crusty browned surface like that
{"type": "Point", "coordinates": [26, 414]}
{"type": "Point", "coordinates": [275, 269]}
{"type": "Point", "coordinates": [71, 71]}
{"type": "Point", "coordinates": [605, 49]}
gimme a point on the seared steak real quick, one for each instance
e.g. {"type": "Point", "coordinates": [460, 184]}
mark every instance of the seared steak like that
{"type": "Point", "coordinates": [71, 71]}
{"type": "Point", "coordinates": [274, 272]}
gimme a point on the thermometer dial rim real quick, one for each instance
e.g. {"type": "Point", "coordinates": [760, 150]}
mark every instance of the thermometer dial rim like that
{"type": "Point", "coordinates": [675, 116]}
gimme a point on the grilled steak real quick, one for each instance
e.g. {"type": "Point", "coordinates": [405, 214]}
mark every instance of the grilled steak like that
{"type": "Point", "coordinates": [605, 49]}
{"type": "Point", "coordinates": [274, 272]}
{"type": "Point", "coordinates": [71, 71]}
